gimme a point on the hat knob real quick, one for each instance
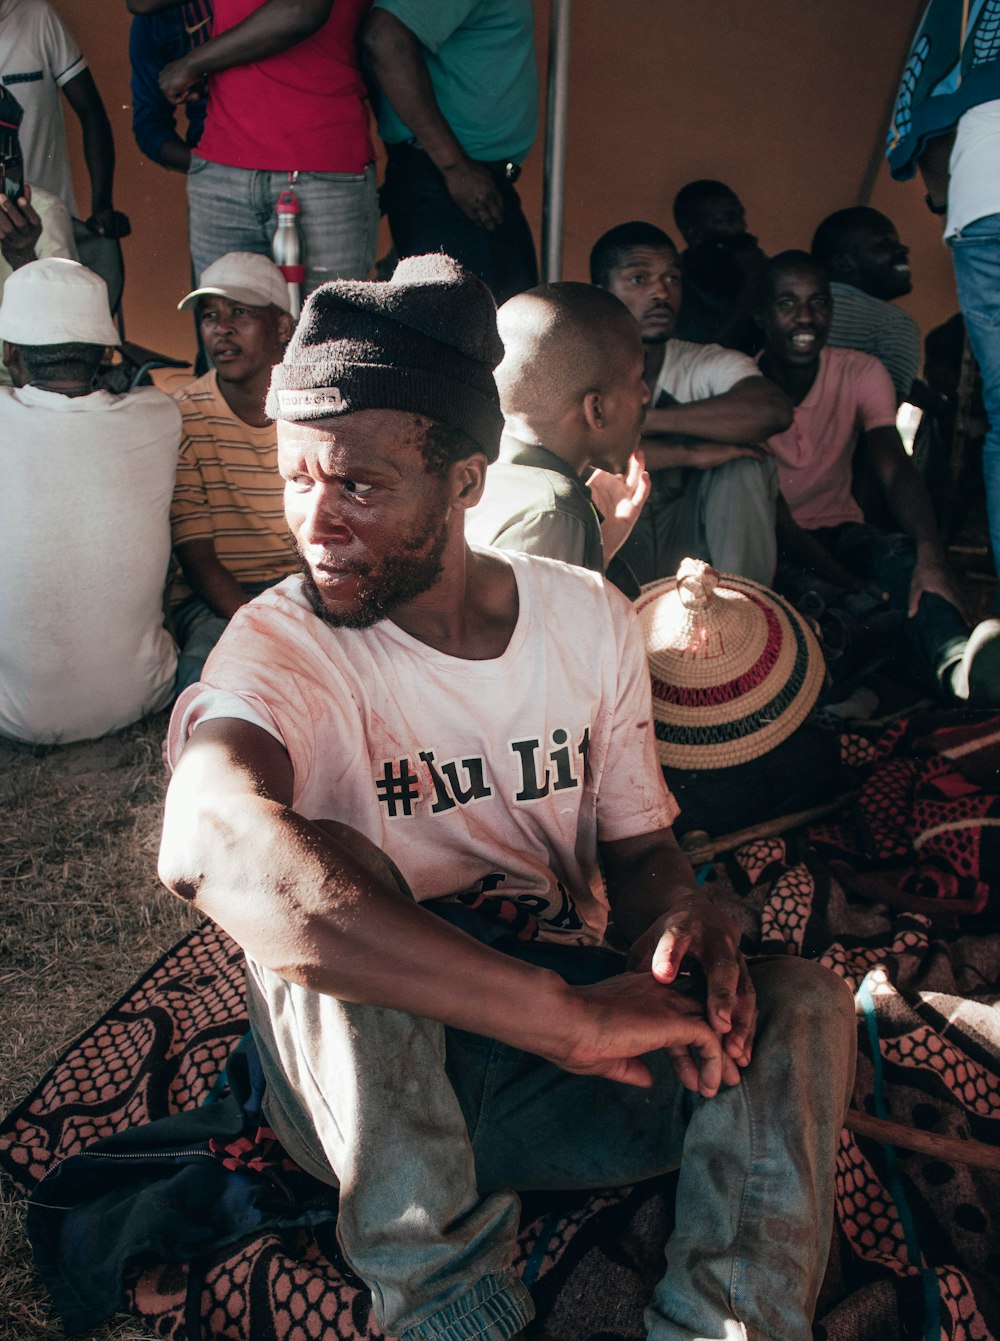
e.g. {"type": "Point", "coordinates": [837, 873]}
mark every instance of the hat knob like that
{"type": "Point", "coordinates": [696, 580]}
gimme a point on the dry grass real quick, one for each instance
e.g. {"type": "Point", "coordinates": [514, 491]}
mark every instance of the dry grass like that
{"type": "Point", "coordinates": [84, 916]}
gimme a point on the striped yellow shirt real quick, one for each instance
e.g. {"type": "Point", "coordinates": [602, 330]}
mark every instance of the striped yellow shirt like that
{"type": "Point", "coordinates": [228, 489]}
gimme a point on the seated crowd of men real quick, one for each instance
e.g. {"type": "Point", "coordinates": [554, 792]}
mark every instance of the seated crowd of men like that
{"type": "Point", "coordinates": [414, 769]}
{"type": "Point", "coordinates": [626, 449]}
{"type": "Point", "coordinates": [420, 765]}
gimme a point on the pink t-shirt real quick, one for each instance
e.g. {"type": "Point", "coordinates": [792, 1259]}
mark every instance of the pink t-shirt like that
{"type": "Point", "coordinates": [852, 392]}
{"type": "Point", "coordinates": [302, 109]}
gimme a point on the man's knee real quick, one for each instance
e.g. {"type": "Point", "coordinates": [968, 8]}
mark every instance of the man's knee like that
{"type": "Point", "coordinates": [807, 996]}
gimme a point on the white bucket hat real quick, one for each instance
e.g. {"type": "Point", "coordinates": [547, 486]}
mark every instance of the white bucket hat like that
{"type": "Point", "coordinates": [56, 301]}
{"type": "Point", "coordinates": [242, 277]}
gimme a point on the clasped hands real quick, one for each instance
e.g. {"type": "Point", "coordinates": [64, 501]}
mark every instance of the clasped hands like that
{"type": "Point", "coordinates": [705, 1019]}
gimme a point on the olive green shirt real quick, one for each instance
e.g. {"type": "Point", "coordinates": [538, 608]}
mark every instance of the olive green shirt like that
{"type": "Point", "coordinates": [534, 502]}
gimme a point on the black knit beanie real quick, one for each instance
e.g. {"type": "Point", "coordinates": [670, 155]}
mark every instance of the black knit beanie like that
{"type": "Point", "coordinates": [424, 341]}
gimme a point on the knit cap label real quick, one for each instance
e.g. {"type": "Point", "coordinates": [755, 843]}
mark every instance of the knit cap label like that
{"type": "Point", "coordinates": [322, 398]}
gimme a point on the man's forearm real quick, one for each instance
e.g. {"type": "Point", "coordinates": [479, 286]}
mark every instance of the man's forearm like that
{"type": "Point", "coordinates": [303, 905]}
{"type": "Point", "coordinates": [99, 153]}
{"type": "Point", "coordinates": [273, 27]}
{"type": "Point", "coordinates": [904, 490]}
{"type": "Point", "coordinates": [643, 888]}
{"type": "Point", "coordinates": [175, 154]}
{"type": "Point", "coordinates": [751, 411]}
{"type": "Point", "coordinates": [394, 59]}
{"type": "Point", "coordinates": [209, 578]}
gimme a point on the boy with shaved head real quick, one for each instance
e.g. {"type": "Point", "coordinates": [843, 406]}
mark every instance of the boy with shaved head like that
{"type": "Point", "coordinates": [573, 398]}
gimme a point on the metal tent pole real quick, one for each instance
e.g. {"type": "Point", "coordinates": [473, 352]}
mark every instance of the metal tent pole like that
{"type": "Point", "coordinates": [553, 199]}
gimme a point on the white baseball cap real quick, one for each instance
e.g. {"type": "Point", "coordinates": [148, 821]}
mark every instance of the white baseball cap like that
{"type": "Point", "coordinates": [56, 301]}
{"type": "Point", "coordinates": [242, 277]}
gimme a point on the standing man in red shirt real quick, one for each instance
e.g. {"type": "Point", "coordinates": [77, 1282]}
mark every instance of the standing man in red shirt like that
{"type": "Point", "coordinates": [285, 106]}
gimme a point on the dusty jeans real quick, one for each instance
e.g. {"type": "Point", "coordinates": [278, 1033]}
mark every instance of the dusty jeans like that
{"type": "Point", "coordinates": [431, 1131]}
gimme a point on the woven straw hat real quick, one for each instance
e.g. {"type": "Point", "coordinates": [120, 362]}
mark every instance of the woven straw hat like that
{"type": "Point", "coordinates": [734, 668]}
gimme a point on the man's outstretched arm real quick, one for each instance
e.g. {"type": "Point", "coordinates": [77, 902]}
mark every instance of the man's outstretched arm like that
{"type": "Point", "coordinates": [748, 413]}
{"type": "Point", "coordinates": [303, 904]}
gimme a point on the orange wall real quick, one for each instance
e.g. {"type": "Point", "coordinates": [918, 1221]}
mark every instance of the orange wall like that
{"type": "Point", "coordinates": [785, 101]}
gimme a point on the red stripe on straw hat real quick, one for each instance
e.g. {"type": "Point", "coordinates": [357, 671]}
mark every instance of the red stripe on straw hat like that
{"type": "Point", "coordinates": [730, 690]}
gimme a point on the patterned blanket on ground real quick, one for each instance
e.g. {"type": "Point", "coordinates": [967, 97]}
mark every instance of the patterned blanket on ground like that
{"type": "Point", "coordinates": [895, 896]}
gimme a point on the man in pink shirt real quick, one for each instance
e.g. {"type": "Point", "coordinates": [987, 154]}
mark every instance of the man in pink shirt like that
{"type": "Point", "coordinates": [837, 394]}
{"type": "Point", "coordinates": [286, 105]}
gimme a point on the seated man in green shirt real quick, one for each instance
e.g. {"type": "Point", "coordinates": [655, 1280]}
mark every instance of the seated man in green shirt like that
{"type": "Point", "coordinates": [574, 399]}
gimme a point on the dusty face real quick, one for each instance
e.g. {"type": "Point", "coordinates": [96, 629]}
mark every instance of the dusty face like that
{"type": "Point", "coordinates": [242, 341]}
{"type": "Point", "coordinates": [648, 281]}
{"type": "Point", "coordinates": [881, 264]}
{"type": "Point", "coordinates": [369, 521]}
{"type": "Point", "coordinates": [796, 318]}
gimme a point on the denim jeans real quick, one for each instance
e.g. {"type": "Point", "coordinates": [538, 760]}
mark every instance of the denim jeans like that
{"type": "Point", "coordinates": [430, 1132]}
{"type": "Point", "coordinates": [937, 633]}
{"type": "Point", "coordinates": [424, 218]}
{"type": "Point", "coordinates": [975, 254]}
{"type": "Point", "coordinates": [233, 209]}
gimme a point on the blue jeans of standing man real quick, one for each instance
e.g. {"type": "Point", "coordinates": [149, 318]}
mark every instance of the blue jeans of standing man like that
{"type": "Point", "coordinates": [430, 1133]}
{"type": "Point", "coordinates": [975, 254]}
{"type": "Point", "coordinates": [233, 209]}
{"type": "Point", "coordinates": [424, 218]}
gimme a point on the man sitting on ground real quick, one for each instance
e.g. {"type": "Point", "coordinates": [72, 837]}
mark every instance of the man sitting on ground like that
{"type": "Point", "coordinates": [393, 788]}
{"type": "Point", "coordinates": [228, 521]}
{"type": "Point", "coordinates": [868, 267]}
{"type": "Point", "coordinates": [84, 518]}
{"type": "Point", "coordinates": [714, 489]}
{"type": "Point", "coordinates": [718, 268]}
{"type": "Point", "coordinates": [573, 398]}
{"type": "Point", "coordinates": [837, 393]}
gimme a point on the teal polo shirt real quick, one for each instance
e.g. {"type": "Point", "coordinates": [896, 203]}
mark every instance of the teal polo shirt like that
{"type": "Point", "coordinates": [480, 56]}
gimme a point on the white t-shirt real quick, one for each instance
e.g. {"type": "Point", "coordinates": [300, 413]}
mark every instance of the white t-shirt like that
{"type": "Point", "coordinates": [489, 780]}
{"type": "Point", "coordinates": [695, 372]}
{"type": "Point", "coordinates": [84, 547]}
{"type": "Point", "coordinates": [974, 185]}
{"type": "Point", "coordinates": [37, 57]}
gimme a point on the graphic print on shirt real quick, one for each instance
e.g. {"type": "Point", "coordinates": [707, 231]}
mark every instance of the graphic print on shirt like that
{"type": "Point", "coordinates": [522, 914]}
{"type": "Point", "coordinates": [534, 770]}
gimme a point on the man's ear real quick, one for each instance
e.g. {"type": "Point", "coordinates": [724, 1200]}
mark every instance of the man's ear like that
{"type": "Point", "coordinates": [593, 410]}
{"type": "Point", "coordinates": [286, 324]}
{"type": "Point", "coordinates": [468, 479]}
